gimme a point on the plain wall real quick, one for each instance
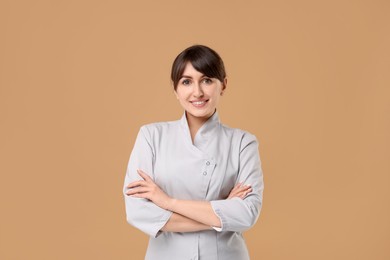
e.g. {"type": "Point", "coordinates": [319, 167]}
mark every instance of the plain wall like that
{"type": "Point", "coordinates": [309, 78]}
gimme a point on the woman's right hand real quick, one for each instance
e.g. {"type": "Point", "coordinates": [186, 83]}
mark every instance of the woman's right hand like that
{"type": "Point", "coordinates": [240, 191]}
{"type": "Point", "coordinates": [148, 189]}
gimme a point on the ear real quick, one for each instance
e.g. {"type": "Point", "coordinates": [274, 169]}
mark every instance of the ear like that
{"type": "Point", "coordinates": [174, 91]}
{"type": "Point", "coordinates": [177, 96]}
{"type": "Point", "coordinates": [224, 84]}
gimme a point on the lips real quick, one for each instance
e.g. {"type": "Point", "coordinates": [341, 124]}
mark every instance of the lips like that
{"type": "Point", "coordinates": [199, 103]}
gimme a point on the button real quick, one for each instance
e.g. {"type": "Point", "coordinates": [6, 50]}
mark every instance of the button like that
{"type": "Point", "coordinates": [204, 173]}
{"type": "Point", "coordinates": [207, 163]}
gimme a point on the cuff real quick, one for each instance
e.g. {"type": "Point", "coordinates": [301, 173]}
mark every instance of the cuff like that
{"type": "Point", "coordinates": [218, 229]}
{"type": "Point", "coordinates": [161, 224]}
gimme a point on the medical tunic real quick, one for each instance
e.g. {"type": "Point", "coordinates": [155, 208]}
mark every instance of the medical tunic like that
{"type": "Point", "coordinates": [207, 169]}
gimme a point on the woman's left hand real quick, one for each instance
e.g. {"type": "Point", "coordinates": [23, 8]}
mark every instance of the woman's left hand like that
{"type": "Point", "coordinates": [240, 191]}
{"type": "Point", "coordinates": [147, 189]}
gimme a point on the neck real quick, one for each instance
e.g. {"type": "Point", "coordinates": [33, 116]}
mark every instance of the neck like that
{"type": "Point", "coordinates": [194, 123]}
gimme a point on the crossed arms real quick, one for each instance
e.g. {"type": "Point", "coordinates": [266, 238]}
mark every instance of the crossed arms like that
{"type": "Point", "coordinates": [187, 215]}
{"type": "Point", "coordinates": [151, 210]}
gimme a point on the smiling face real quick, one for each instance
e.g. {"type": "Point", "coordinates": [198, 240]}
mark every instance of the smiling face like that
{"type": "Point", "coordinates": [198, 94]}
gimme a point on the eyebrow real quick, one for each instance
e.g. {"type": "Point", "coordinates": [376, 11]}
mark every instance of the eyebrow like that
{"type": "Point", "coordinates": [189, 77]}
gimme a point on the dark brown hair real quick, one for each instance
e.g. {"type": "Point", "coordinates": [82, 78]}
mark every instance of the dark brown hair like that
{"type": "Point", "coordinates": [203, 59]}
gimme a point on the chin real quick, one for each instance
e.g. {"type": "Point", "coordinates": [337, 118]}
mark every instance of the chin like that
{"type": "Point", "coordinates": [205, 113]}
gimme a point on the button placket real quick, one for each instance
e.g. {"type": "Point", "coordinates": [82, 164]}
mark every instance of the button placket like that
{"type": "Point", "coordinates": [208, 167]}
{"type": "Point", "coordinates": [207, 171]}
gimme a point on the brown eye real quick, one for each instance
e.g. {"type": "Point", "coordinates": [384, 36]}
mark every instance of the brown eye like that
{"type": "Point", "coordinates": [207, 81]}
{"type": "Point", "coordinates": [185, 82]}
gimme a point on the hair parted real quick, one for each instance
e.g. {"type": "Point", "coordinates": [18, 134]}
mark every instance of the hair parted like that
{"type": "Point", "coordinates": [203, 59]}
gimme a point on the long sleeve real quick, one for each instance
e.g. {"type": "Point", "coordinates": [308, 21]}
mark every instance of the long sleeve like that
{"type": "Point", "coordinates": [240, 214]}
{"type": "Point", "coordinates": [203, 168]}
{"type": "Point", "coordinates": [142, 213]}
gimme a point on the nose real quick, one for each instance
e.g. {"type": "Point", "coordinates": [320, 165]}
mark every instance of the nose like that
{"type": "Point", "coordinates": [197, 91]}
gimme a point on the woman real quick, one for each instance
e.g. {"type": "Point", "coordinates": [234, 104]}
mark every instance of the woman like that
{"type": "Point", "coordinates": [194, 185]}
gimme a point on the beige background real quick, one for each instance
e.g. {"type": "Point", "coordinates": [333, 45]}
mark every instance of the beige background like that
{"type": "Point", "coordinates": [309, 78]}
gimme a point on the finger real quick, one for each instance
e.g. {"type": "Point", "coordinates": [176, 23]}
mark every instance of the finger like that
{"type": "Point", "coordinates": [136, 184]}
{"type": "Point", "coordinates": [140, 195]}
{"type": "Point", "coordinates": [246, 193]}
{"type": "Point", "coordinates": [245, 187]}
{"type": "Point", "coordinates": [240, 190]}
{"type": "Point", "coordinates": [238, 185]}
{"type": "Point", "coordinates": [144, 175]}
{"type": "Point", "coordinates": [247, 190]}
{"type": "Point", "coordinates": [235, 194]}
{"type": "Point", "coordinates": [242, 194]}
{"type": "Point", "coordinates": [235, 188]}
{"type": "Point", "coordinates": [137, 190]}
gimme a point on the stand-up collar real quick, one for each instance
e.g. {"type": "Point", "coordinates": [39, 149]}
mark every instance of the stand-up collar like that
{"type": "Point", "coordinates": [205, 131]}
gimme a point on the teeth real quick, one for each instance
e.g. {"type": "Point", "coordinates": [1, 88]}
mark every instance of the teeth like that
{"type": "Point", "coordinates": [198, 102]}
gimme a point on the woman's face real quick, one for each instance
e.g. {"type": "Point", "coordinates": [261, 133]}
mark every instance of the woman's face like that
{"type": "Point", "coordinates": [197, 93]}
